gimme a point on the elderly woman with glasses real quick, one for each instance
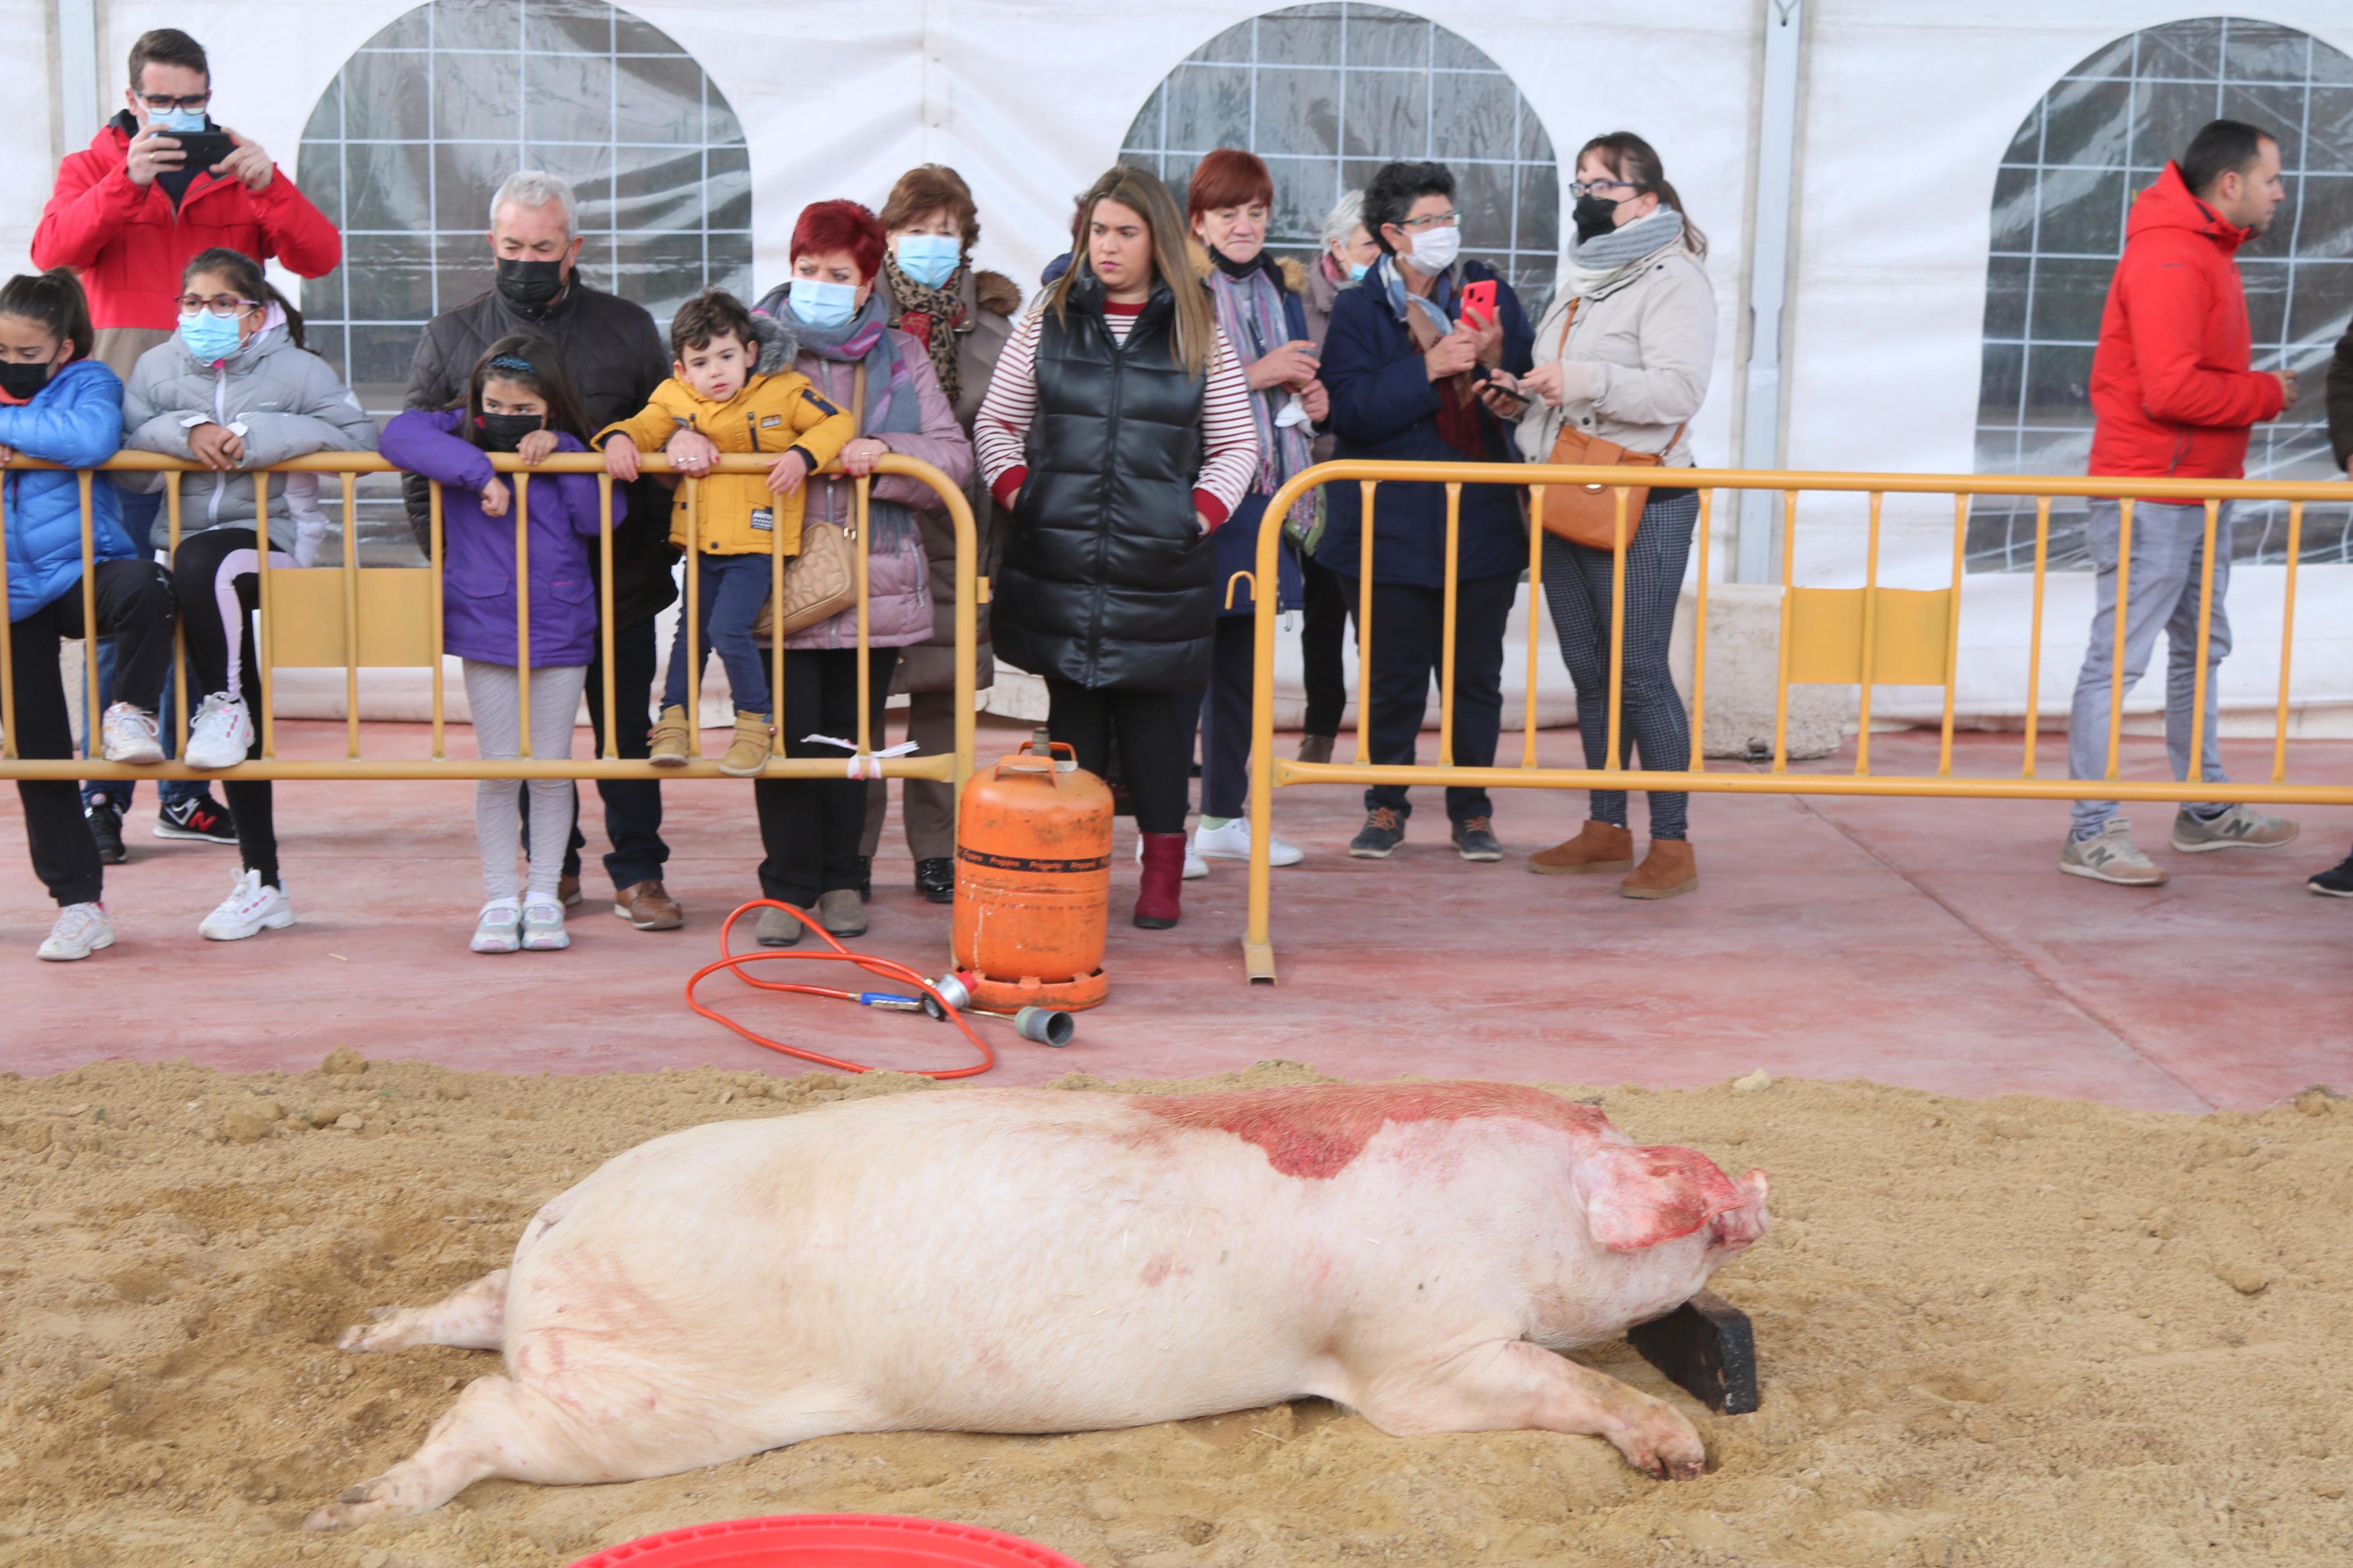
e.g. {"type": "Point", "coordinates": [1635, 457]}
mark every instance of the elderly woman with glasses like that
{"type": "Point", "coordinates": [1404, 362]}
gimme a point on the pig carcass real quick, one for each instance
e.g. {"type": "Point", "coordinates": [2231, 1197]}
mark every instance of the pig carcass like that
{"type": "Point", "coordinates": [1040, 1260]}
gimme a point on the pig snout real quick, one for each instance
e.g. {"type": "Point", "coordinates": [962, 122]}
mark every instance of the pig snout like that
{"type": "Point", "coordinates": [1737, 1228]}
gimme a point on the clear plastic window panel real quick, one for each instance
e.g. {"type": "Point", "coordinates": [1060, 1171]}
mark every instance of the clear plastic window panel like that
{"type": "Point", "coordinates": [2094, 142]}
{"type": "Point", "coordinates": [1328, 93]}
{"type": "Point", "coordinates": [423, 122]}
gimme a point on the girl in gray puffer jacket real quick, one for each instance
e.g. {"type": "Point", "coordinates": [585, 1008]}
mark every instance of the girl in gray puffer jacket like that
{"type": "Point", "coordinates": [236, 391]}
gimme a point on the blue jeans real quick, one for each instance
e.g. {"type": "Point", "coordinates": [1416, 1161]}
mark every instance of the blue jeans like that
{"type": "Point", "coordinates": [732, 590]}
{"type": "Point", "coordinates": [117, 793]}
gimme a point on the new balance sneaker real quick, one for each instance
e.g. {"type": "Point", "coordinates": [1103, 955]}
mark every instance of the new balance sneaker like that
{"type": "Point", "coordinates": [2110, 857]}
{"type": "Point", "coordinates": [105, 821]}
{"type": "Point", "coordinates": [2337, 882]}
{"type": "Point", "coordinates": [250, 908]}
{"type": "Point", "coordinates": [222, 733]}
{"type": "Point", "coordinates": [1474, 839]}
{"type": "Point", "coordinates": [199, 818]}
{"type": "Point", "coordinates": [1195, 866]}
{"type": "Point", "coordinates": [81, 929]}
{"type": "Point", "coordinates": [2240, 827]}
{"type": "Point", "coordinates": [542, 927]}
{"type": "Point", "coordinates": [1383, 831]}
{"type": "Point", "coordinates": [498, 928]}
{"type": "Point", "coordinates": [1233, 842]}
{"type": "Point", "coordinates": [128, 734]}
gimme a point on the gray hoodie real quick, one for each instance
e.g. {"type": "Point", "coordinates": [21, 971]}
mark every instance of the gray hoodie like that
{"type": "Point", "coordinates": [286, 402]}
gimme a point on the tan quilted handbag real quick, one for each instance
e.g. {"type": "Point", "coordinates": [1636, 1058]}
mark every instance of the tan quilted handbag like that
{"type": "Point", "coordinates": [822, 580]}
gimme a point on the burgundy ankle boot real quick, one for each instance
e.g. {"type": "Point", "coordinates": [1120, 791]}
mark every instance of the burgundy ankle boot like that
{"type": "Point", "coordinates": [1164, 871]}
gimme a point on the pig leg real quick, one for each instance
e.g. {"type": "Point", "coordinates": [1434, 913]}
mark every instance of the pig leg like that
{"type": "Point", "coordinates": [1512, 1385]}
{"type": "Point", "coordinates": [497, 1427]}
{"type": "Point", "coordinates": [472, 1317]}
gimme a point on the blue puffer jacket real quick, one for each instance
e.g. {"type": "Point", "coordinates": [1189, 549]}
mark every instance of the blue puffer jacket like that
{"type": "Point", "coordinates": [77, 420]}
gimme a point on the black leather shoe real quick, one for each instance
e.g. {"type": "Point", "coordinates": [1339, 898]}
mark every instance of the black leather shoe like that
{"type": "Point", "coordinates": [935, 879]}
{"type": "Point", "coordinates": [106, 827]}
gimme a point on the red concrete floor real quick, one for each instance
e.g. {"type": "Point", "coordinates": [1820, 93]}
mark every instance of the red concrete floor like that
{"type": "Point", "coordinates": [1923, 943]}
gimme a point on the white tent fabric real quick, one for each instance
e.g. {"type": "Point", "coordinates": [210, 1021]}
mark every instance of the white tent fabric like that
{"type": "Point", "coordinates": [1905, 110]}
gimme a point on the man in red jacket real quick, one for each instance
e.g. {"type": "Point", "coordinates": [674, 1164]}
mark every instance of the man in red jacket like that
{"type": "Point", "coordinates": [2173, 395]}
{"type": "Point", "coordinates": [128, 216]}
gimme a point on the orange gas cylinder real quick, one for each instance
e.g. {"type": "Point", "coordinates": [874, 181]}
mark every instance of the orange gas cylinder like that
{"type": "Point", "coordinates": [1033, 882]}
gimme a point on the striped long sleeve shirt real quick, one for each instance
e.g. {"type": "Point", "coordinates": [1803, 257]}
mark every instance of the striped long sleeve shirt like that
{"type": "Point", "coordinates": [1229, 431]}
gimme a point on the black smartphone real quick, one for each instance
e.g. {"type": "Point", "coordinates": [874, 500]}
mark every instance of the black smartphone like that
{"type": "Point", "coordinates": [203, 149]}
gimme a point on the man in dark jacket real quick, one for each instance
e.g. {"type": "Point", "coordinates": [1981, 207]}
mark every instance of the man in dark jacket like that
{"type": "Point", "coordinates": [615, 359]}
{"type": "Point", "coordinates": [2173, 395]}
{"type": "Point", "coordinates": [2338, 881]}
{"type": "Point", "coordinates": [1402, 361]}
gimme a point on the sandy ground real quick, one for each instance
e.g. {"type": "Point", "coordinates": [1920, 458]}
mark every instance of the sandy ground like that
{"type": "Point", "coordinates": [1992, 1332]}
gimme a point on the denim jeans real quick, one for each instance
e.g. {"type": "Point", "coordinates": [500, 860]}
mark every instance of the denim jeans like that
{"type": "Point", "coordinates": [730, 591]}
{"type": "Point", "coordinates": [2168, 546]}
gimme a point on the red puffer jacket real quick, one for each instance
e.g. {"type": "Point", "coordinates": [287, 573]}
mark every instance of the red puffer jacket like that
{"type": "Point", "coordinates": [130, 244]}
{"type": "Point", "coordinates": [2171, 391]}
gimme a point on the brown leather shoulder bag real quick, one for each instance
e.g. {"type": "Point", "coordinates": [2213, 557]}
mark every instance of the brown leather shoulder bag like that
{"type": "Point", "coordinates": [1587, 514]}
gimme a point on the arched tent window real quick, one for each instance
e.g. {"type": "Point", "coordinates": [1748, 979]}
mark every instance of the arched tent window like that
{"type": "Point", "coordinates": [2095, 141]}
{"type": "Point", "coordinates": [422, 123]}
{"type": "Point", "coordinates": [1328, 93]}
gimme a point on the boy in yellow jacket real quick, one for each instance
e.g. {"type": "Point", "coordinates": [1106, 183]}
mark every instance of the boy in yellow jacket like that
{"type": "Point", "coordinates": [717, 401]}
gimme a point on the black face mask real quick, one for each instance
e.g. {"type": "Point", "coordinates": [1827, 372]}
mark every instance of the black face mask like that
{"type": "Point", "coordinates": [505, 432]}
{"type": "Point", "coordinates": [1594, 215]}
{"type": "Point", "coordinates": [22, 381]}
{"type": "Point", "coordinates": [530, 285]}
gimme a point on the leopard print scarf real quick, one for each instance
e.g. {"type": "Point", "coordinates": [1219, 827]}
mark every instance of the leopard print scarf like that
{"type": "Point", "coordinates": [932, 317]}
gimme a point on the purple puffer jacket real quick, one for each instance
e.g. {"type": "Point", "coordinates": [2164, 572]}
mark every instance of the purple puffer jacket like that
{"type": "Point", "coordinates": [898, 580]}
{"type": "Point", "coordinates": [477, 553]}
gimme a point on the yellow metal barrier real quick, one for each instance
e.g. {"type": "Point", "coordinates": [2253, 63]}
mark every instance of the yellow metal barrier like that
{"type": "Point", "coordinates": [1866, 636]}
{"type": "Point", "coordinates": [356, 615]}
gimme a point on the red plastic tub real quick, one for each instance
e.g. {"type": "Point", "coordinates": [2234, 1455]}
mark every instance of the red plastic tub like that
{"type": "Point", "coordinates": [829, 1541]}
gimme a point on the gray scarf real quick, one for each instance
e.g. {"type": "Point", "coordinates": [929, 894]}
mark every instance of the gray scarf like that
{"type": "Point", "coordinates": [1594, 263]}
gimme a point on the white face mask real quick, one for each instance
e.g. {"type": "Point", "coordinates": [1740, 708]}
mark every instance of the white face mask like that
{"type": "Point", "coordinates": [1434, 250]}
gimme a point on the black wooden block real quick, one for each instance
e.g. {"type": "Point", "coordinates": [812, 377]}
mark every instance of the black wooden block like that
{"type": "Point", "coordinates": [1706, 1346]}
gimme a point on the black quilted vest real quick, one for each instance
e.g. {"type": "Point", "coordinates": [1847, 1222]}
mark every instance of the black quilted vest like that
{"type": "Point", "coordinates": [1107, 579]}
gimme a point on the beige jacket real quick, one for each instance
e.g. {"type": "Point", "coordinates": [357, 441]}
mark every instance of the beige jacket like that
{"type": "Point", "coordinates": [1639, 352]}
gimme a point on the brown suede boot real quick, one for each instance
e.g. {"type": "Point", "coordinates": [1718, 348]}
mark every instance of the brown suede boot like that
{"type": "Point", "coordinates": [674, 739]}
{"type": "Point", "coordinates": [1668, 870]}
{"type": "Point", "coordinates": [1598, 846]}
{"type": "Point", "coordinates": [1315, 748]}
{"type": "Point", "coordinates": [748, 752]}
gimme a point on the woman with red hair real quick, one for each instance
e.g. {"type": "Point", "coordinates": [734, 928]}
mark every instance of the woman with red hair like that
{"type": "Point", "coordinates": [832, 324]}
{"type": "Point", "coordinates": [1259, 299]}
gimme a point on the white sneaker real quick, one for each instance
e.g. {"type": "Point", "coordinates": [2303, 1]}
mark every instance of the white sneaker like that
{"type": "Point", "coordinates": [81, 929]}
{"type": "Point", "coordinates": [128, 734]}
{"type": "Point", "coordinates": [222, 733]}
{"type": "Point", "coordinates": [1233, 842]}
{"type": "Point", "coordinates": [500, 930]}
{"type": "Point", "coordinates": [1195, 866]}
{"type": "Point", "coordinates": [249, 910]}
{"type": "Point", "coordinates": [543, 926]}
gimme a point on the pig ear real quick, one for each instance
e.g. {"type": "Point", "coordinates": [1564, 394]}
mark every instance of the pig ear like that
{"type": "Point", "coordinates": [1637, 1197]}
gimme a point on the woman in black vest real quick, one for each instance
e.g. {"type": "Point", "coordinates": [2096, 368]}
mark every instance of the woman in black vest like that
{"type": "Point", "coordinates": [1117, 433]}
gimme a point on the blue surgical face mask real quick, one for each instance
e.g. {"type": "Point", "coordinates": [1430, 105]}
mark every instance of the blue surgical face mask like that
{"type": "Point", "coordinates": [822, 304]}
{"type": "Point", "coordinates": [930, 259]}
{"type": "Point", "coordinates": [1356, 271]}
{"type": "Point", "coordinates": [209, 338]}
{"type": "Point", "coordinates": [177, 122]}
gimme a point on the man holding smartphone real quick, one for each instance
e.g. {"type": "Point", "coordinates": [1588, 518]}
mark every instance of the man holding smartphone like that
{"type": "Point", "coordinates": [158, 184]}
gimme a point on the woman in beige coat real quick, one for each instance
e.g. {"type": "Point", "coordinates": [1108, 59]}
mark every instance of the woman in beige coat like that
{"type": "Point", "coordinates": [1625, 353]}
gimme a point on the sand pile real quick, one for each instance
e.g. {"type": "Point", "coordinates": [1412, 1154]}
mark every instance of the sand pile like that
{"type": "Point", "coordinates": [2001, 1333]}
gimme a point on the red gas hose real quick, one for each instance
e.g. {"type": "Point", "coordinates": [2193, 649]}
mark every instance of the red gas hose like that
{"type": "Point", "coordinates": [884, 967]}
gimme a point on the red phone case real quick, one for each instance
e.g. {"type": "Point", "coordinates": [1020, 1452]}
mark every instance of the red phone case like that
{"type": "Point", "coordinates": [1480, 297]}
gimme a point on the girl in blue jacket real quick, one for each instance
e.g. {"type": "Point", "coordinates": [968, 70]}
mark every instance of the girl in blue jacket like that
{"type": "Point", "coordinates": [58, 404]}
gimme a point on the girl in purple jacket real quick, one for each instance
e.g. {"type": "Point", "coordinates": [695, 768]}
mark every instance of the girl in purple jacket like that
{"type": "Point", "coordinates": [518, 401]}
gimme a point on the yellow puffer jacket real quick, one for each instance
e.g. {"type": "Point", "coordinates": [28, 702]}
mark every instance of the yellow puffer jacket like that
{"type": "Point", "coordinates": [738, 515]}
